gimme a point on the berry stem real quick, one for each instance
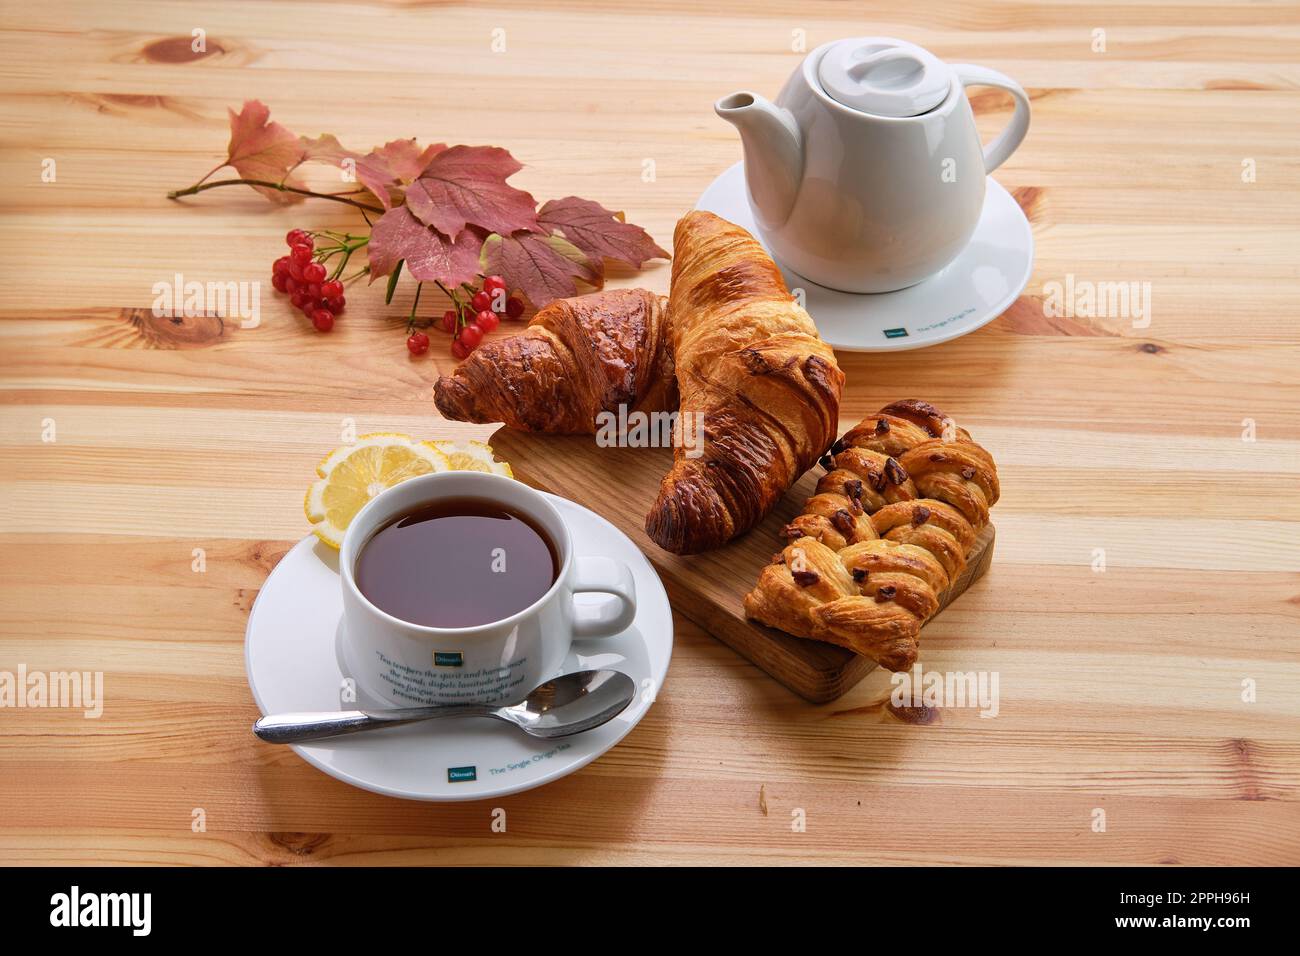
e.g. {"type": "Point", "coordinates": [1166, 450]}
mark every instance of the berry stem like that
{"type": "Point", "coordinates": [456, 303]}
{"type": "Point", "coordinates": [410, 322]}
{"type": "Point", "coordinates": [266, 184]}
{"type": "Point", "coordinates": [344, 243]}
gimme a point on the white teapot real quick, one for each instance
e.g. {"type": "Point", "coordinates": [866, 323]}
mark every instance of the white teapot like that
{"type": "Point", "coordinates": [867, 174]}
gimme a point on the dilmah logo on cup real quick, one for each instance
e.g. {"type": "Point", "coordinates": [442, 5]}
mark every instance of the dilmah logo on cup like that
{"type": "Point", "coordinates": [426, 618]}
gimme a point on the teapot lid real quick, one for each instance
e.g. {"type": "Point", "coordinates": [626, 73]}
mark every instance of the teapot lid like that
{"type": "Point", "coordinates": [884, 76]}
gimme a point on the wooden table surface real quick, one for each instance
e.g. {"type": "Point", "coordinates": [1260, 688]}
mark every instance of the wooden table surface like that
{"type": "Point", "coordinates": [1171, 157]}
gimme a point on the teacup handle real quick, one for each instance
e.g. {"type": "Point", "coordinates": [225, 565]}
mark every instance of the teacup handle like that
{"type": "Point", "coordinates": [603, 576]}
{"type": "Point", "coordinates": [1000, 150]}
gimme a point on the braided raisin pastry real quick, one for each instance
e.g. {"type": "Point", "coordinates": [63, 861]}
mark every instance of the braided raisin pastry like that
{"type": "Point", "coordinates": [887, 532]}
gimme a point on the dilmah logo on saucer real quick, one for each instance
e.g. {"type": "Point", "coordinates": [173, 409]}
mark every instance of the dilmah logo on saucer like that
{"type": "Point", "coordinates": [461, 774]}
{"type": "Point", "coordinates": [895, 333]}
{"type": "Point", "coordinates": [448, 659]}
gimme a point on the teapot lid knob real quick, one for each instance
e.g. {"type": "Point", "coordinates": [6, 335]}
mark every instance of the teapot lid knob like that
{"type": "Point", "coordinates": [884, 76]}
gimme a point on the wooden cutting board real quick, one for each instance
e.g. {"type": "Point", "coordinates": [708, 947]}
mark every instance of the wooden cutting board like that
{"type": "Point", "coordinates": [621, 483]}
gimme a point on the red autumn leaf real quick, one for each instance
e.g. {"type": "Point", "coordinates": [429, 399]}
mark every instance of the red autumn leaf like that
{"type": "Point", "coordinates": [466, 185]}
{"type": "Point", "coordinates": [327, 149]}
{"type": "Point", "coordinates": [599, 233]}
{"type": "Point", "coordinates": [260, 149]}
{"type": "Point", "coordinates": [428, 253]}
{"type": "Point", "coordinates": [324, 149]}
{"type": "Point", "coordinates": [542, 267]}
{"type": "Point", "coordinates": [384, 171]}
{"type": "Point", "coordinates": [404, 158]}
{"type": "Point", "coordinates": [440, 202]}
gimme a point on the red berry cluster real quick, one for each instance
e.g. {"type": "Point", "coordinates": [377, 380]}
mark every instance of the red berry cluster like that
{"type": "Point", "coordinates": [468, 321]}
{"type": "Point", "coordinates": [302, 278]}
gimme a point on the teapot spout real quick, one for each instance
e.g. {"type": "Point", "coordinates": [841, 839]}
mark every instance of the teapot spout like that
{"type": "Point", "coordinates": [773, 153]}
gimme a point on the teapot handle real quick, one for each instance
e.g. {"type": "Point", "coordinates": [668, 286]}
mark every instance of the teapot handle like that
{"type": "Point", "coordinates": [1000, 150]}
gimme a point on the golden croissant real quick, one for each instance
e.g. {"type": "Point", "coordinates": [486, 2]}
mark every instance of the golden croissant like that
{"type": "Point", "coordinates": [577, 358]}
{"type": "Point", "coordinates": [753, 371]}
{"type": "Point", "coordinates": [889, 529]}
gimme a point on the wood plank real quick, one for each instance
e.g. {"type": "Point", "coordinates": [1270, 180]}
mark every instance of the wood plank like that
{"type": "Point", "coordinates": [1120, 689]}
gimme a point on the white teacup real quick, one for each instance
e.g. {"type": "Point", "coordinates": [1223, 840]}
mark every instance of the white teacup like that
{"type": "Point", "coordinates": [410, 665]}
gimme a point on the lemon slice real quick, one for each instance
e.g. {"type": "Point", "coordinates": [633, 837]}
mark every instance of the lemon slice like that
{"type": "Point", "coordinates": [351, 475]}
{"type": "Point", "coordinates": [471, 456]}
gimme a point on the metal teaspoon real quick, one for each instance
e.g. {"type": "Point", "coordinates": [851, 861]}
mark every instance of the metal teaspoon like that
{"type": "Point", "coordinates": [569, 704]}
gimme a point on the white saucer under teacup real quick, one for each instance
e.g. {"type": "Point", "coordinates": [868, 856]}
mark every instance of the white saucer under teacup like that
{"type": "Point", "coordinates": [295, 646]}
{"type": "Point", "coordinates": [971, 291]}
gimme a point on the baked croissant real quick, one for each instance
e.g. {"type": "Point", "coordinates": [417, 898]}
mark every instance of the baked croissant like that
{"type": "Point", "coordinates": [577, 358]}
{"type": "Point", "coordinates": [889, 529]}
{"type": "Point", "coordinates": [751, 365]}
